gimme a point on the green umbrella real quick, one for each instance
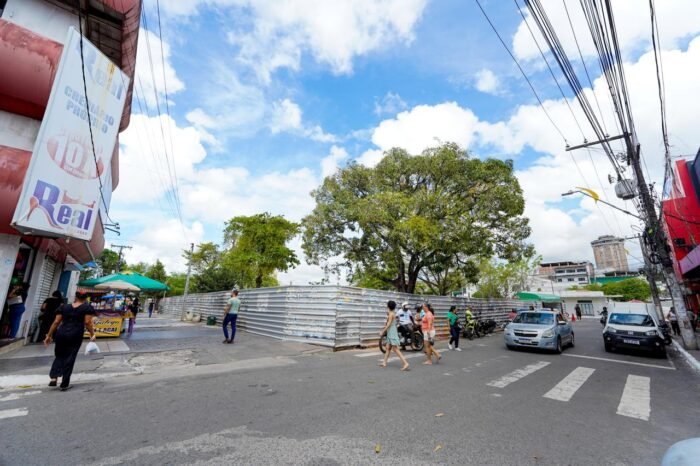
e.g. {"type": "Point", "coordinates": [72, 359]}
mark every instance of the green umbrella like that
{"type": "Point", "coordinates": [136, 279]}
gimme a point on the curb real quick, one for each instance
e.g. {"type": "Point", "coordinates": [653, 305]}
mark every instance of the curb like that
{"type": "Point", "coordinates": [692, 362]}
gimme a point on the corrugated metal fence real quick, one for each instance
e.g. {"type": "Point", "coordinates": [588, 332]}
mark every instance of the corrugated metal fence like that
{"type": "Point", "coordinates": [334, 316]}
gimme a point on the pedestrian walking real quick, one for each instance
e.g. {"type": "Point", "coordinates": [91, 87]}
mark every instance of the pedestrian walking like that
{"type": "Point", "coordinates": [151, 305]}
{"type": "Point", "coordinates": [577, 309]}
{"type": "Point", "coordinates": [233, 305]}
{"type": "Point", "coordinates": [48, 313]}
{"type": "Point", "coordinates": [673, 317]}
{"type": "Point", "coordinates": [392, 336]}
{"type": "Point", "coordinates": [69, 328]}
{"type": "Point", "coordinates": [133, 308]}
{"type": "Point", "coordinates": [453, 319]}
{"type": "Point", "coordinates": [428, 327]}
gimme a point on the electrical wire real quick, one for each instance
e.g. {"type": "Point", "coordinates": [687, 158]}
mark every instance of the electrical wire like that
{"type": "Point", "coordinates": [89, 118]}
{"type": "Point", "coordinates": [532, 88]}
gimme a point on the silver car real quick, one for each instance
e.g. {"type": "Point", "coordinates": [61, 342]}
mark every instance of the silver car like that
{"type": "Point", "coordinates": [539, 329]}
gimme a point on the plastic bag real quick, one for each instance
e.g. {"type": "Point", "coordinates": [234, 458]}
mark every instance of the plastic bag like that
{"type": "Point", "coordinates": [92, 348]}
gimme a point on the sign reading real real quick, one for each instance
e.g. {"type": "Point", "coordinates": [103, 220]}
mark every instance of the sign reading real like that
{"type": "Point", "coordinates": [61, 191]}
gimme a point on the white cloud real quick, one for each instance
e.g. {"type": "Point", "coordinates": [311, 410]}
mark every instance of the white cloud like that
{"type": "Point", "coordinates": [164, 240]}
{"type": "Point", "coordinates": [329, 164]}
{"type": "Point", "coordinates": [285, 115]}
{"type": "Point", "coordinates": [427, 126]}
{"type": "Point", "coordinates": [486, 81]}
{"type": "Point", "coordinates": [390, 104]}
{"type": "Point", "coordinates": [149, 162]}
{"type": "Point", "coordinates": [150, 71]}
{"type": "Point", "coordinates": [333, 33]}
{"type": "Point", "coordinates": [371, 157]}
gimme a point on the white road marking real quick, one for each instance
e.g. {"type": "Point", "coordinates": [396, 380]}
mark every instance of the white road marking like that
{"type": "Point", "coordinates": [8, 413]}
{"type": "Point", "coordinates": [366, 355]}
{"type": "Point", "coordinates": [517, 375]}
{"type": "Point", "coordinates": [656, 366]}
{"type": "Point", "coordinates": [18, 395]}
{"type": "Point", "coordinates": [564, 390]}
{"type": "Point", "coordinates": [636, 398]}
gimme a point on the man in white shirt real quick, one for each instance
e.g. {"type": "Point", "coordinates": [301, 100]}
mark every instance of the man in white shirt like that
{"type": "Point", "coordinates": [231, 315]}
{"type": "Point", "coordinates": [405, 318]}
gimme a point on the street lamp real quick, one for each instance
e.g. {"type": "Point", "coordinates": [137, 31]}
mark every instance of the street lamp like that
{"type": "Point", "coordinates": [592, 194]}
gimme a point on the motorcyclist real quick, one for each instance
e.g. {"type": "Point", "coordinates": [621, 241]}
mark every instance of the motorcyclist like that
{"type": "Point", "coordinates": [468, 318]}
{"type": "Point", "coordinates": [406, 321]}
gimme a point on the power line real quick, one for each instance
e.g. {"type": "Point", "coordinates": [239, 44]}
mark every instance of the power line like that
{"type": "Point", "coordinates": [532, 88]}
{"type": "Point", "coordinates": [89, 118]}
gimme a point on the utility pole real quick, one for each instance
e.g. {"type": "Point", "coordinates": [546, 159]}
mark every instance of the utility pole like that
{"type": "Point", "coordinates": [187, 279]}
{"type": "Point", "coordinates": [121, 248]}
{"type": "Point", "coordinates": [650, 271]}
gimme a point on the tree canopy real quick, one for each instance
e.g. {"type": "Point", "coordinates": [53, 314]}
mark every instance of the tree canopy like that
{"type": "Point", "coordinates": [504, 279]}
{"type": "Point", "coordinates": [428, 217]}
{"type": "Point", "coordinates": [258, 247]}
{"type": "Point", "coordinates": [631, 288]}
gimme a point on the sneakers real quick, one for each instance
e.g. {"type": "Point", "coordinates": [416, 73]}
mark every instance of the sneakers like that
{"type": "Point", "coordinates": [449, 345]}
{"type": "Point", "coordinates": [458, 349]}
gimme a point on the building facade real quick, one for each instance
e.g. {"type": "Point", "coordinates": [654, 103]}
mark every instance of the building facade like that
{"type": "Point", "coordinates": [610, 255]}
{"type": "Point", "coordinates": [32, 34]}
{"type": "Point", "coordinates": [681, 219]}
{"type": "Point", "coordinates": [565, 274]}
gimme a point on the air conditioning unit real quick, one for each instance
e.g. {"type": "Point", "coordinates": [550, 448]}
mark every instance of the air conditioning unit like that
{"type": "Point", "coordinates": [625, 189]}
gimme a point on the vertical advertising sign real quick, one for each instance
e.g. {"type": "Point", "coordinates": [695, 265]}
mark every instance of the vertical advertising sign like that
{"type": "Point", "coordinates": [61, 191]}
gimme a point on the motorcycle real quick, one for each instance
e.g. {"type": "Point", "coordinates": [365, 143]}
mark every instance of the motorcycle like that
{"type": "Point", "coordinates": [666, 332]}
{"type": "Point", "coordinates": [414, 340]}
{"type": "Point", "coordinates": [487, 326]}
{"type": "Point", "coordinates": [471, 330]}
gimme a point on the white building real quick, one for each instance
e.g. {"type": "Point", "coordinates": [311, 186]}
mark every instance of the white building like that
{"type": "Point", "coordinates": [591, 302]}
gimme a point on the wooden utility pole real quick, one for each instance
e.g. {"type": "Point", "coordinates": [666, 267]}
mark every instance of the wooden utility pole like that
{"type": "Point", "coordinates": [121, 248]}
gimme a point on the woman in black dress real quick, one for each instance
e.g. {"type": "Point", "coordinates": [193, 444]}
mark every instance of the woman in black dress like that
{"type": "Point", "coordinates": [69, 327]}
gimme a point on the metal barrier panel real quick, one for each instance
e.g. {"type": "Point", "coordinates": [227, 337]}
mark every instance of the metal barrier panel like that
{"type": "Point", "coordinates": [334, 316]}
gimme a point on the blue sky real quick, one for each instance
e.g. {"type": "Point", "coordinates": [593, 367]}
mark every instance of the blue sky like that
{"type": "Point", "coordinates": [268, 97]}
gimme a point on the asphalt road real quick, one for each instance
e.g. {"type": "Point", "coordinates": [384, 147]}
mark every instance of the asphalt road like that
{"type": "Point", "coordinates": [485, 405]}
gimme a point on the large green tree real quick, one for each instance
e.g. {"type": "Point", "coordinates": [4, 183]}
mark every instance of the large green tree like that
{"type": "Point", "coordinates": [157, 272]}
{"type": "Point", "coordinates": [258, 247]}
{"type": "Point", "coordinates": [499, 279]}
{"type": "Point", "coordinates": [209, 271]}
{"type": "Point", "coordinates": [440, 212]}
{"type": "Point", "coordinates": [624, 290]}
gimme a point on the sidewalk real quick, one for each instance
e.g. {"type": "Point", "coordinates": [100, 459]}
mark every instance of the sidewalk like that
{"type": "Point", "coordinates": [690, 357]}
{"type": "Point", "coordinates": [157, 345]}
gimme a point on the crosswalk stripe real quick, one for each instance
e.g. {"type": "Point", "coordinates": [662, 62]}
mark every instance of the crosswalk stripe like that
{"type": "Point", "coordinates": [636, 398]}
{"type": "Point", "coordinates": [567, 387]}
{"type": "Point", "coordinates": [366, 355]}
{"type": "Point", "coordinates": [18, 395]}
{"type": "Point", "coordinates": [517, 375]}
{"type": "Point", "coordinates": [7, 413]}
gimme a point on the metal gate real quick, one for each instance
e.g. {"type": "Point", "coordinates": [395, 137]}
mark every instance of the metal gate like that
{"type": "Point", "coordinates": [43, 290]}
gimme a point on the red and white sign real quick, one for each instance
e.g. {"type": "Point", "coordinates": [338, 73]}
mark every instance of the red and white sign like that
{"type": "Point", "coordinates": [61, 191]}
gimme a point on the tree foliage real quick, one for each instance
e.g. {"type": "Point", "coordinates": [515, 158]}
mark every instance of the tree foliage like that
{"type": "Point", "coordinates": [504, 279]}
{"type": "Point", "coordinates": [431, 217]}
{"type": "Point", "coordinates": [209, 269]}
{"type": "Point", "coordinates": [631, 288]}
{"type": "Point", "coordinates": [258, 247]}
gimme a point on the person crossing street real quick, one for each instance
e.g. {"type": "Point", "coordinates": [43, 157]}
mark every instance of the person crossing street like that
{"type": "Point", "coordinates": [453, 320]}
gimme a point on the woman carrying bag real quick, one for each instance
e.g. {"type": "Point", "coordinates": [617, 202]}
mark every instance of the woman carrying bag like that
{"type": "Point", "coordinates": [69, 328]}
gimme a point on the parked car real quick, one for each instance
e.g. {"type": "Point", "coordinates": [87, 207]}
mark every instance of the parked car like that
{"type": "Point", "coordinates": [539, 329]}
{"type": "Point", "coordinates": [637, 330]}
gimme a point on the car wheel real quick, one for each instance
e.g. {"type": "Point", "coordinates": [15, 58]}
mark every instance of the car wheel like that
{"type": "Point", "coordinates": [510, 347]}
{"type": "Point", "coordinates": [572, 342]}
{"type": "Point", "coordinates": [558, 349]}
{"type": "Point", "coordinates": [608, 348]}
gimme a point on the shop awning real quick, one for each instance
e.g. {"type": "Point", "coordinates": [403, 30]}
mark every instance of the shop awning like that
{"type": "Point", "coordinates": [544, 297]}
{"type": "Point", "coordinates": [136, 279]}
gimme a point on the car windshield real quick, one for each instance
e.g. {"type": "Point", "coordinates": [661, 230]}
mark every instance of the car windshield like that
{"type": "Point", "coordinates": [537, 318]}
{"type": "Point", "coordinates": [639, 320]}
